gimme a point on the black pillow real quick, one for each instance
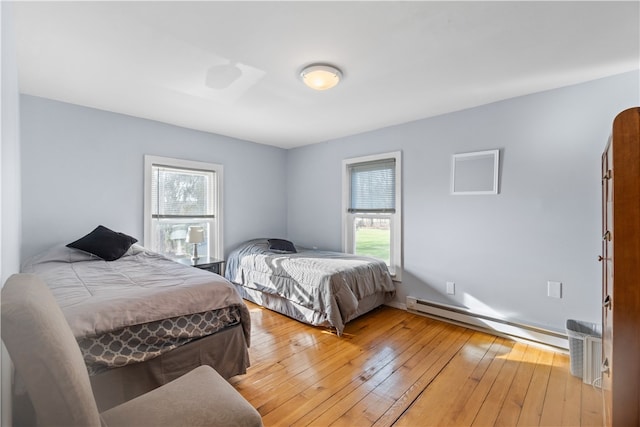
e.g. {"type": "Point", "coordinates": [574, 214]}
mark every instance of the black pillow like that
{"type": "Point", "coordinates": [281, 245]}
{"type": "Point", "coordinates": [104, 243]}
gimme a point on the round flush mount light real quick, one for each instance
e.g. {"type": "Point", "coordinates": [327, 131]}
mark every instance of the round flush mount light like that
{"type": "Point", "coordinates": [321, 76]}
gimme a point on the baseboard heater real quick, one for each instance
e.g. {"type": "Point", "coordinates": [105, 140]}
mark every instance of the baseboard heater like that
{"type": "Point", "coordinates": [489, 324]}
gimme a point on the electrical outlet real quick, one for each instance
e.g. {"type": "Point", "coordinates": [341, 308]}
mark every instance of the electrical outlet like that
{"type": "Point", "coordinates": [451, 288]}
{"type": "Point", "coordinates": [554, 289]}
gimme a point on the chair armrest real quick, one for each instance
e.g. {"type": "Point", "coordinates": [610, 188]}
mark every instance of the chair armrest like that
{"type": "Point", "coordinates": [199, 398]}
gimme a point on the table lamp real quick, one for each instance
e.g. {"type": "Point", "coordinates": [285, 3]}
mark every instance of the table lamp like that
{"type": "Point", "coordinates": [195, 235]}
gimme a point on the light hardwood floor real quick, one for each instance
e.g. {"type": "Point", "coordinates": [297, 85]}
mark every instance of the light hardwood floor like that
{"type": "Point", "coordinates": [397, 368]}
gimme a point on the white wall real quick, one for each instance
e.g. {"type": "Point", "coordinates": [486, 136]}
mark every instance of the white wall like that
{"type": "Point", "coordinates": [10, 151]}
{"type": "Point", "coordinates": [83, 167]}
{"type": "Point", "coordinates": [499, 250]}
{"type": "Point", "coordinates": [9, 182]}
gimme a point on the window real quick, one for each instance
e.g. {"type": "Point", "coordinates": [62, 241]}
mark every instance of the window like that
{"type": "Point", "coordinates": [372, 219]}
{"type": "Point", "coordinates": [180, 194]}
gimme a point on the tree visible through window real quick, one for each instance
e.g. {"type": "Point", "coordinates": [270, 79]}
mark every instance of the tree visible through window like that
{"type": "Point", "coordinates": [182, 194]}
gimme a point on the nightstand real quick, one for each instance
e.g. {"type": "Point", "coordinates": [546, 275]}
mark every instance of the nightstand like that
{"type": "Point", "coordinates": [213, 265]}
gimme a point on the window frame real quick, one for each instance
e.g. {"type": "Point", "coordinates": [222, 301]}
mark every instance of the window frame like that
{"type": "Point", "coordinates": [215, 237]}
{"type": "Point", "coordinates": [348, 218]}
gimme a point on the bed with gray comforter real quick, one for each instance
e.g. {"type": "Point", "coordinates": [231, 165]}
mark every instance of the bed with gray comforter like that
{"type": "Point", "coordinates": [143, 320]}
{"type": "Point", "coordinates": [321, 288]}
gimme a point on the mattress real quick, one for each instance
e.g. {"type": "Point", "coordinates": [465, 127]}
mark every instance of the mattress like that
{"type": "Point", "coordinates": [139, 343]}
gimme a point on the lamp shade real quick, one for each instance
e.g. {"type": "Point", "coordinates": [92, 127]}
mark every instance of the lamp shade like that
{"type": "Point", "coordinates": [195, 235]}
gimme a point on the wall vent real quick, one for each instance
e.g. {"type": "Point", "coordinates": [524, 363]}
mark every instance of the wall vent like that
{"type": "Point", "coordinates": [489, 324]}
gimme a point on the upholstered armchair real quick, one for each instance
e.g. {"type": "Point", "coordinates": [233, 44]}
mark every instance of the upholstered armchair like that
{"type": "Point", "coordinates": [48, 359]}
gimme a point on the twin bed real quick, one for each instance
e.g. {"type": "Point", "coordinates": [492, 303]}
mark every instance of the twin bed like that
{"type": "Point", "coordinates": [320, 288]}
{"type": "Point", "coordinates": [142, 320]}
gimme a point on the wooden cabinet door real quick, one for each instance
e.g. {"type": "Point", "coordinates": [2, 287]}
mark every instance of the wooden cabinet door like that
{"type": "Point", "coordinates": [621, 272]}
{"type": "Point", "coordinates": [607, 278]}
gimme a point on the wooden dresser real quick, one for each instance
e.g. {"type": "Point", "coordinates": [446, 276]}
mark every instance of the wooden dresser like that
{"type": "Point", "coordinates": [621, 272]}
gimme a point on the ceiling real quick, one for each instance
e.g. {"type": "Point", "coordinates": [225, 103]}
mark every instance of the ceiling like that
{"type": "Point", "coordinates": [231, 68]}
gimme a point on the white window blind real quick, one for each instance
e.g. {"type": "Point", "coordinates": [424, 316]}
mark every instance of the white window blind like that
{"type": "Point", "coordinates": [181, 193]}
{"type": "Point", "coordinates": [373, 187]}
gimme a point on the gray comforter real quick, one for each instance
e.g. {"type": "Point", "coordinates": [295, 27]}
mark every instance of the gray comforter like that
{"type": "Point", "coordinates": [329, 286]}
{"type": "Point", "coordinates": [97, 296]}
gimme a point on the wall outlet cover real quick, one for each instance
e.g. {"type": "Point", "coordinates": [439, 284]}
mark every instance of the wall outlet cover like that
{"type": "Point", "coordinates": [451, 288]}
{"type": "Point", "coordinates": [554, 289]}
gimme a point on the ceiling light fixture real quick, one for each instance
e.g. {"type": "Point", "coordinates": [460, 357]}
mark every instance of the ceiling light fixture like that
{"type": "Point", "coordinates": [320, 76]}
